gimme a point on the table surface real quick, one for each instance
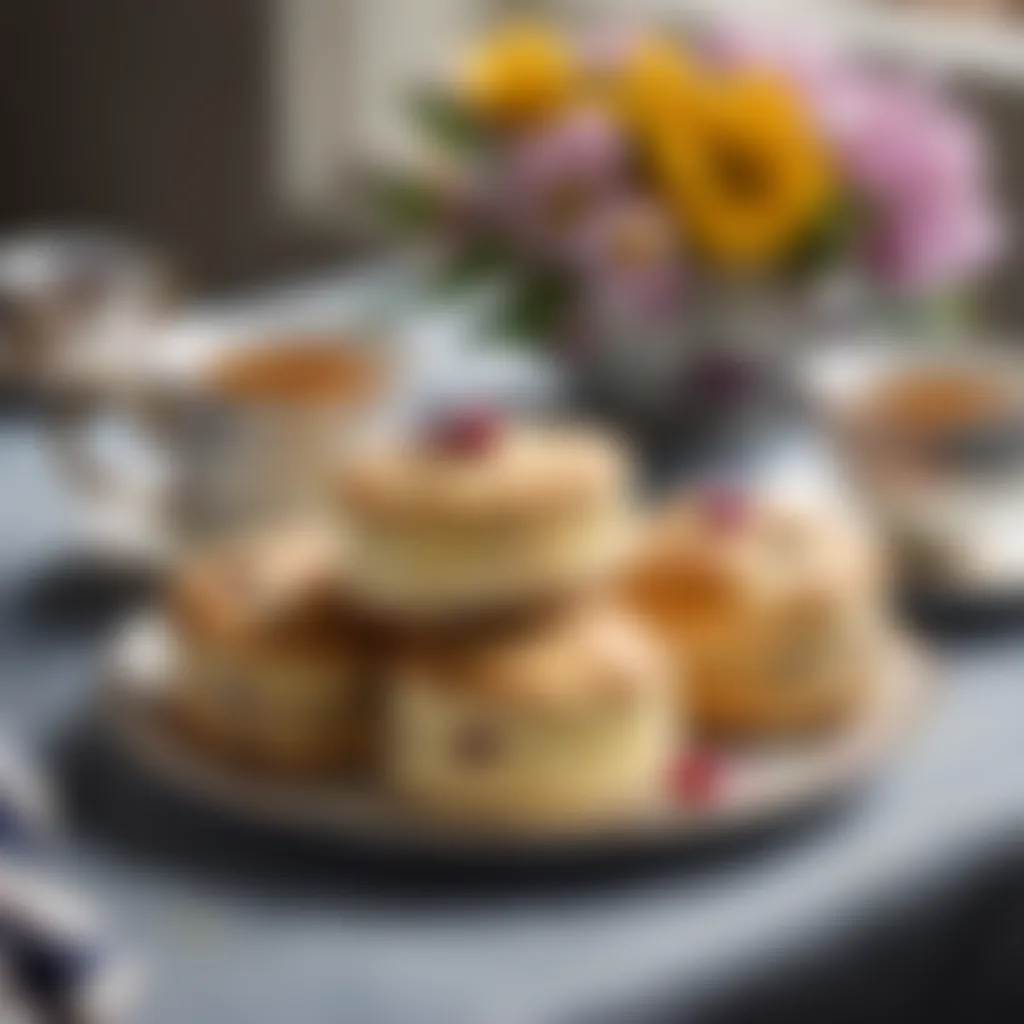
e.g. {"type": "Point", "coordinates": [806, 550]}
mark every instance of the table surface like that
{"type": "Point", "coordinates": [224, 942]}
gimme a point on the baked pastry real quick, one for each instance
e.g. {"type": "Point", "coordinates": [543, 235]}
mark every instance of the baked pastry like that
{"type": "Point", "coordinates": [478, 515]}
{"type": "Point", "coordinates": [775, 610]}
{"type": "Point", "coordinates": [561, 717]}
{"type": "Point", "coordinates": [272, 659]}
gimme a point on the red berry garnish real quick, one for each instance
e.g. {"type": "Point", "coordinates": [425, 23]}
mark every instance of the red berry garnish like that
{"type": "Point", "coordinates": [468, 432]}
{"type": "Point", "coordinates": [697, 778]}
{"type": "Point", "coordinates": [727, 508]}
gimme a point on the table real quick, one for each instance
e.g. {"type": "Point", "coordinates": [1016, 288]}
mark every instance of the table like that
{"type": "Point", "coordinates": [903, 901]}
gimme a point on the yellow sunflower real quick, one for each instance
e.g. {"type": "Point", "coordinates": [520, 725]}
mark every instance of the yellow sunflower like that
{"type": "Point", "coordinates": [655, 85]}
{"type": "Point", "coordinates": [742, 169]}
{"type": "Point", "coordinates": [523, 74]}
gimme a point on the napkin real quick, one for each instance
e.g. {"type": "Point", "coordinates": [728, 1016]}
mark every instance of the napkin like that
{"type": "Point", "coordinates": [56, 964]}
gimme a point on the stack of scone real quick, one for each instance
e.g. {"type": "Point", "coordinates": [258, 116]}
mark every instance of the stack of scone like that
{"type": "Point", "coordinates": [523, 693]}
{"type": "Point", "coordinates": [543, 660]}
{"type": "Point", "coordinates": [513, 689]}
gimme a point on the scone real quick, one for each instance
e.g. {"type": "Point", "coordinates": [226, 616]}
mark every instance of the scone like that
{"type": "Point", "coordinates": [776, 611]}
{"type": "Point", "coordinates": [557, 719]}
{"type": "Point", "coordinates": [477, 515]}
{"type": "Point", "coordinates": [272, 659]}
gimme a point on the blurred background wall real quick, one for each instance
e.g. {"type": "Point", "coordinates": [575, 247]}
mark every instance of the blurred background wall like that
{"type": "Point", "coordinates": [153, 116]}
{"type": "Point", "coordinates": [230, 131]}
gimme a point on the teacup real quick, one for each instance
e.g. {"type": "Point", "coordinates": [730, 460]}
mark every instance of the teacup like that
{"type": "Point", "coordinates": [69, 298]}
{"type": "Point", "coordinates": [935, 442]}
{"type": "Point", "coordinates": [234, 431]}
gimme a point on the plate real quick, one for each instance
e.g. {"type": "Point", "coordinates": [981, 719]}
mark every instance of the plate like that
{"type": "Point", "coordinates": [756, 786]}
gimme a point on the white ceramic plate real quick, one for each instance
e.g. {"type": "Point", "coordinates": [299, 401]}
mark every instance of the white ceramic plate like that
{"type": "Point", "coordinates": [754, 787]}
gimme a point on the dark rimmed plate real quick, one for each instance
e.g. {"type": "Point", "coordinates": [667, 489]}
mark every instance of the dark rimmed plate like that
{"type": "Point", "coordinates": [758, 786]}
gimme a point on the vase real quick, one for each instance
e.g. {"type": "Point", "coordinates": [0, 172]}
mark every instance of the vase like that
{"type": "Point", "coordinates": [709, 380]}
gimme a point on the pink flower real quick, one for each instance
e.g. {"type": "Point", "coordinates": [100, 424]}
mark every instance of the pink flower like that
{"type": "Point", "coordinates": [917, 251]}
{"type": "Point", "coordinates": [629, 260]}
{"type": "Point", "coordinates": [919, 164]}
{"type": "Point", "coordinates": [556, 176]}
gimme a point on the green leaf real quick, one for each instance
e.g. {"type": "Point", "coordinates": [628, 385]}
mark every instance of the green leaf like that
{"type": "Point", "coordinates": [937, 317]}
{"type": "Point", "coordinates": [449, 122]}
{"type": "Point", "coordinates": [826, 240]}
{"type": "Point", "coordinates": [473, 262]}
{"type": "Point", "coordinates": [407, 202]}
{"type": "Point", "coordinates": [536, 307]}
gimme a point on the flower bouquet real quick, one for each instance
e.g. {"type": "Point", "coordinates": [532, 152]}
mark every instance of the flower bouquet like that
{"type": "Point", "coordinates": [668, 215]}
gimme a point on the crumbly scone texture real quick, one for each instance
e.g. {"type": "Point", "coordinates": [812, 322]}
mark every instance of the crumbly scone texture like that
{"type": "Point", "coordinates": [530, 474]}
{"type": "Point", "coordinates": [557, 720]}
{"type": "Point", "coordinates": [559, 658]}
{"type": "Point", "coordinates": [293, 714]}
{"type": "Point", "coordinates": [274, 660]}
{"type": "Point", "coordinates": [277, 594]}
{"type": "Point", "coordinates": [778, 615]}
{"type": "Point", "coordinates": [286, 754]}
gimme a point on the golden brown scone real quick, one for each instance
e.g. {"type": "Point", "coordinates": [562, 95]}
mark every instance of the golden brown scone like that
{"type": "Point", "coordinates": [273, 659]}
{"type": "Point", "coordinates": [556, 718]}
{"type": "Point", "coordinates": [481, 515]}
{"type": "Point", "coordinates": [775, 610]}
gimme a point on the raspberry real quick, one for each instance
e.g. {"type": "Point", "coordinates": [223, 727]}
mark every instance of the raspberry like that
{"type": "Point", "coordinates": [468, 432]}
{"type": "Point", "coordinates": [726, 508]}
{"type": "Point", "coordinates": [696, 778]}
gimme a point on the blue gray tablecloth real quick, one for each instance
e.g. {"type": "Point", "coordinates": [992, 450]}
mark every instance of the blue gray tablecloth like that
{"type": "Point", "coordinates": [905, 901]}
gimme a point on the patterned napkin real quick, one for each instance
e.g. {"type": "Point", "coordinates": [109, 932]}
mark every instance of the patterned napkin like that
{"type": "Point", "coordinates": [56, 964]}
